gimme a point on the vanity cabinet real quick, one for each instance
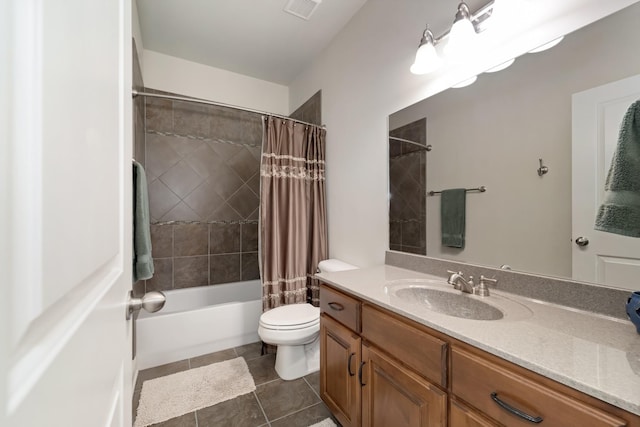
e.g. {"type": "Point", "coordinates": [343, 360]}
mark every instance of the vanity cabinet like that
{"type": "Point", "coordinates": [378, 368]}
{"type": "Point", "coordinates": [393, 395]}
{"type": "Point", "coordinates": [362, 383]}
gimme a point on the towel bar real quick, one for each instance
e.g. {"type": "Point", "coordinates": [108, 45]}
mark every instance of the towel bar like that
{"type": "Point", "coordinates": [480, 189]}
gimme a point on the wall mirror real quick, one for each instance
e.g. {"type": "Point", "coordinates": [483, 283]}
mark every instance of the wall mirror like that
{"type": "Point", "coordinates": [494, 132]}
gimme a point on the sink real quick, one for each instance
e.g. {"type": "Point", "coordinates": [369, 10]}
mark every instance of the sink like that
{"type": "Point", "coordinates": [437, 296]}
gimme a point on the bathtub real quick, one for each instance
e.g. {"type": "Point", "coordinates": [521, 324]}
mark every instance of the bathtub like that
{"type": "Point", "coordinates": [197, 321]}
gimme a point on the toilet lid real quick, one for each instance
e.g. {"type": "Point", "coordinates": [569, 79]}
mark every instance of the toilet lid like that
{"type": "Point", "coordinates": [291, 315]}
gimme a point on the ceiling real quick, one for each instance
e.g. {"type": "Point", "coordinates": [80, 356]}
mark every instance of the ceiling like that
{"type": "Point", "coordinates": [251, 37]}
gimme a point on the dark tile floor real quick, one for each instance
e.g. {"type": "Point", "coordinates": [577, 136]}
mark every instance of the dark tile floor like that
{"type": "Point", "coordinates": [274, 403]}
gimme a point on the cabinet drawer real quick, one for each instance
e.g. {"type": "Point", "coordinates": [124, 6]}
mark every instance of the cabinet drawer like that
{"type": "Point", "coordinates": [341, 307]}
{"type": "Point", "coordinates": [479, 382]}
{"type": "Point", "coordinates": [422, 352]}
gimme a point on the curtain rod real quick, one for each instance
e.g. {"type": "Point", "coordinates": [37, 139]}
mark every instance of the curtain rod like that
{"type": "Point", "coordinates": [135, 93]}
{"type": "Point", "coordinates": [408, 141]}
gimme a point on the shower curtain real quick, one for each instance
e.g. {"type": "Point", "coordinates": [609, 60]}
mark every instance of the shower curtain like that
{"type": "Point", "coordinates": [293, 224]}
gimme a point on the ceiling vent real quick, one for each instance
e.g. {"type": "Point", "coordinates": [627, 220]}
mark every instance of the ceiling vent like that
{"type": "Point", "coordinates": [302, 8]}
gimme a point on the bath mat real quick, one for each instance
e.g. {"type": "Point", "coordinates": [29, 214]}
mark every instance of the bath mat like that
{"type": "Point", "coordinates": [178, 394]}
{"type": "Point", "coordinates": [325, 423]}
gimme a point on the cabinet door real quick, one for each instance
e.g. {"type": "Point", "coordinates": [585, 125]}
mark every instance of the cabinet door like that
{"type": "Point", "coordinates": [393, 396]}
{"type": "Point", "coordinates": [461, 416]}
{"type": "Point", "coordinates": [339, 362]}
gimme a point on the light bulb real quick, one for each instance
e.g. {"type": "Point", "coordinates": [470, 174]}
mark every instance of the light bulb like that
{"type": "Point", "coordinates": [546, 46]}
{"type": "Point", "coordinates": [462, 36]}
{"type": "Point", "coordinates": [427, 60]}
{"type": "Point", "coordinates": [501, 67]}
{"type": "Point", "coordinates": [466, 82]}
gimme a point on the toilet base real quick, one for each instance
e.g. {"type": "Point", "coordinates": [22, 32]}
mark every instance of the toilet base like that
{"type": "Point", "coordinates": [296, 361]}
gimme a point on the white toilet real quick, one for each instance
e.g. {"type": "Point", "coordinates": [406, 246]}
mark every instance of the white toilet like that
{"type": "Point", "coordinates": [295, 329]}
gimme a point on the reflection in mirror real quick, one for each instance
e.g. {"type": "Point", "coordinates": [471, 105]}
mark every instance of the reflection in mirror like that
{"type": "Point", "coordinates": [494, 133]}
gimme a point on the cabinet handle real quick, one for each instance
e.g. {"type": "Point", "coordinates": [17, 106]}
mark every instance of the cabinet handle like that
{"type": "Point", "coordinates": [336, 306]}
{"type": "Point", "coordinates": [349, 365]}
{"type": "Point", "coordinates": [515, 411]}
{"type": "Point", "coordinates": [360, 374]}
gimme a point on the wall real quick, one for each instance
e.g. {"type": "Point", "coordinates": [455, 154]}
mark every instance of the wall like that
{"type": "Point", "coordinates": [137, 32]}
{"type": "Point", "coordinates": [171, 74]}
{"type": "Point", "coordinates": [525, 114]}
{"type": "Point", "coordinates": [364, 77]}
{"type": "Point", "coordinates": [310, 111]}
{"type": "Point", "coordinates": [203, 169]}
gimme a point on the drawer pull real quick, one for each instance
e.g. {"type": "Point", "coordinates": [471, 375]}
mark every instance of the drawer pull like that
{"type": "Point", "coordinates": [360, 374]}
{"type": "Point", "coordinates": [349, 365]}
{"type": "Point", "coordinates": [336, 306]}
{"type": "Point", "coordinates": [515, 411]}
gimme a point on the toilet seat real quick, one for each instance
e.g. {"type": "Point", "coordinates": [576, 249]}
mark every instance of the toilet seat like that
{"type": "Point", "coordinates": [291, 317]}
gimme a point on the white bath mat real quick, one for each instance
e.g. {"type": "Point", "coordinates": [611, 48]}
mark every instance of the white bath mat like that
{"type": "Point", "coordinates": [178, 394]}
{"type": "Point", "coordinates": [325, 423]}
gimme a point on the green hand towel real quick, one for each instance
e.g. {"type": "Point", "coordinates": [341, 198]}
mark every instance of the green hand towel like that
{"type": "Point", "coordinates": [452, 217]}
{"type": "Point", "coordinates": [620, 211]}
{"type": "Point", "coordinates": [142, 260]}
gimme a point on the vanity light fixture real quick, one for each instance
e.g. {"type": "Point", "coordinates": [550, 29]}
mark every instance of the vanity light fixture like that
{"type": "Point", "coordinates": [466, 82]}
{"type": "Point", "coordinates": [546, 46]}
{"type": "Point", "coordinates": [427, 59]}
{"type": "Point", "coordinates": [460, 38]}
{"type": "Point", "coordinates": [501, 67]}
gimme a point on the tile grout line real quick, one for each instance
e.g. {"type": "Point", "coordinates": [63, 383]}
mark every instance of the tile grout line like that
{"type": "Point", "coordinates": [261, 408]}
{"type": "Point", "coordinates": [312, 389]}
{"type": "Point", "coordinates": [295, 412]}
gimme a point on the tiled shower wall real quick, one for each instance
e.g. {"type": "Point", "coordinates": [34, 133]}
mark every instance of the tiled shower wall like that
{"type": "Point", "coordinates": [407, 184]}
{"type": "Point", "coordinates": [203, 170]}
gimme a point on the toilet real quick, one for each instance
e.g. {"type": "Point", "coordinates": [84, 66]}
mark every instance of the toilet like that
{"type": "Point", "coordinates": [295, 329]}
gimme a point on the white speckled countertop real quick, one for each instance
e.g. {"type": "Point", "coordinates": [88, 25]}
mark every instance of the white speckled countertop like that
{"type": "Point", "coordinates": [597, 355]}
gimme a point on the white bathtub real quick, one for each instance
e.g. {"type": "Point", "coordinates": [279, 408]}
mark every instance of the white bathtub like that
{"type": "Point", "coordinates": [196, 321]}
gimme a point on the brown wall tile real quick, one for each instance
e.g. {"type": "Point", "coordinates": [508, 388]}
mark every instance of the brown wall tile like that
{"type": "Point", "coordinates": [191, 239]}
{"type": "Point", "coordinates": [249, 242]}
{"type": "Point", "coordinates": [162, 279]}
{"type": "Point", "coordinates": [191, 272]}
{"type": "Point", "coordinates": [162, 241]}
{"type": "Point", "coordinates": [225, 238]}
{"type": "Point", "coordinates": [225, 268]}
{"type": "Point", "coordinates": [250, 269]}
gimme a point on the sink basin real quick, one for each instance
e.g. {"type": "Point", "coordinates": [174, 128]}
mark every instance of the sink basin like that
{"type": "Point", "coordinates": [422, 295]}
{"type": "Point", "coordinates": [450, 303]}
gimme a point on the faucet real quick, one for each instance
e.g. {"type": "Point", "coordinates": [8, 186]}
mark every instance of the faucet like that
{"type": "Point", "coordinates": [459, 282]}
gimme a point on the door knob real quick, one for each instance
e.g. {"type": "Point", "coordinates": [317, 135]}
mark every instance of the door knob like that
{"type": "Point", "coordinates": [582, 241]}
{"type": "Point", "coordinates": [151, 302]}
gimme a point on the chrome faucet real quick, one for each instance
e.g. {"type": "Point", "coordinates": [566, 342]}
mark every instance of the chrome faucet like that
{"type": "Point", "coordinates": [459, 282]}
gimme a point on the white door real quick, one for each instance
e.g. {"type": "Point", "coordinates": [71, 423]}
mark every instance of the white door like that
{"type": "Point", "coordinates": [65, 213]}
{"type": "Point", "coordinates": [608, 258]}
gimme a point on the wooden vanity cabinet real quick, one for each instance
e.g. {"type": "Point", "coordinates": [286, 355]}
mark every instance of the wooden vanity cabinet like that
{"type": "Point", "coordinates": [393, 395]}
{"type": "Point", "coordinates": [340, 360]}
{"type": "Point", "coordinates": [362, 383]}
{"type": "Point", "coordinates": [380, 369]}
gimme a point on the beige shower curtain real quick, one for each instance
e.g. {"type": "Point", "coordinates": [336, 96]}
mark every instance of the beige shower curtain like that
{"type": "Point", "coordinates": [293, 224]}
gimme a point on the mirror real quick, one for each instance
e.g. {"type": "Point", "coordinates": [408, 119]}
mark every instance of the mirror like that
{"type": "Point", "coordinates": [494, 133]}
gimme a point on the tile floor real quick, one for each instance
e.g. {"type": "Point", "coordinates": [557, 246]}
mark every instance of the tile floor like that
{"type": "Point", "coordinates": [274, 403]}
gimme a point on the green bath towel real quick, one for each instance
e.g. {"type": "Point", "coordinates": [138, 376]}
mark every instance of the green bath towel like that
{"type": "Point", "coordinates": [452, 217]}
{"type": "Point", "coordinates": [620, 211]}
{"type": "Point", "coordinates": [142, 260]}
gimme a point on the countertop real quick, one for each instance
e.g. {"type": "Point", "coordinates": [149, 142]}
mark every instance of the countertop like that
{"type": "Point", "coordinates": [595, 354]}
